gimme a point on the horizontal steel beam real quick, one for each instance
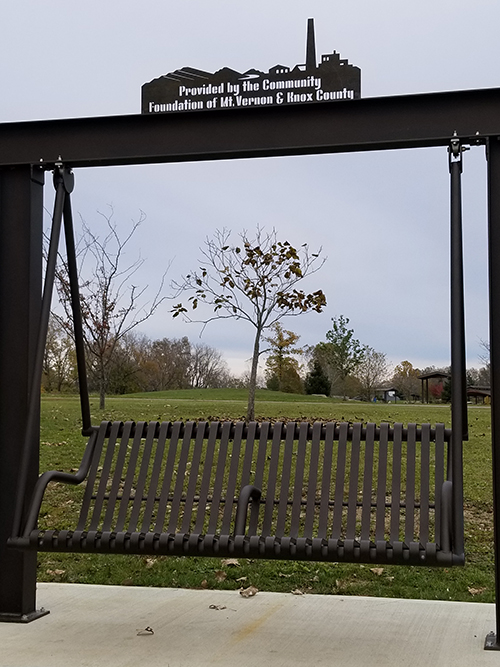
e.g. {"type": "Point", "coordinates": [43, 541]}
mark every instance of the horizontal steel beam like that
{"type": "Point", "coordinates": [377, 123]}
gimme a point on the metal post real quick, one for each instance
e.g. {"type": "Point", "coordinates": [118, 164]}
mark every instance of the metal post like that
{"type": "Point", "coordinates": [21, 211]}
{"type": "Point", "coordinates": [493, 154]}
{"type": "Point", "coordinates": [458, 369]}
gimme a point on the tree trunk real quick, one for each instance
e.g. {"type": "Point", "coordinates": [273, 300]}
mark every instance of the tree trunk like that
{"type": "Point", "coordinates": [253, 377]}
{"type": "Point", "coordinates": [102, 398]}
{"type": "Point", "coordinates": [343, 382]}
{"type": "Point", "coordinates": [102, 389]}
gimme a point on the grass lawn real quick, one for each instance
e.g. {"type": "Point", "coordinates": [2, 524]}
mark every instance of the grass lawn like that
{"type": "Point", "coordinates": [62, 446]}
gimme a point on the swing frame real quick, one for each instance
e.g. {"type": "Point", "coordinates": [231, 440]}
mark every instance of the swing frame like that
{"type": "Point", "coordinates": [373, 124]}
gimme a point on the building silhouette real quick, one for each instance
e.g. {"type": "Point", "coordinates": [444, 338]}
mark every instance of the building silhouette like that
{"type": "Point", "coordinates": [190, 89]}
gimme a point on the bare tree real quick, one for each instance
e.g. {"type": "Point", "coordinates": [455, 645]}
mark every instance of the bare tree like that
{"type": "Point", "coordinates": [254, 281]}
{"type": "Point", "coordinates": [111, 304]}
{"type": "Point", "coordinates": [59, 363]}
{"type": "Point", "coordinates": [485, 357]}
{"type": "Point", "coordinates": [371, 372]}
{"type": "Point", "coordinates": [167, 364]}
{"type": "Point", "coordinates": [208, 368]}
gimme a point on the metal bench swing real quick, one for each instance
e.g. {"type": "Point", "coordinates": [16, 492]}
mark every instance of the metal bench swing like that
{"type": "Point", "coordinates": [323, 491]}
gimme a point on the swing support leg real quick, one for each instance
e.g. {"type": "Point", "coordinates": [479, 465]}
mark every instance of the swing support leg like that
{"type": "Point", "coordinates": [459, 426]}
{"type": "Point", "coordinates": [21, 217]}
{"type": "Point", "coordinates": [493, 154]}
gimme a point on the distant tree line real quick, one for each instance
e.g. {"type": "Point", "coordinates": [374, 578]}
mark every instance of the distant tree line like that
{"type": "Point", "coordinates": [137, 364]}
{"type": "Point", "coordinates": [342, 366]}
{"type": "Point", "coordinates": [338, 366]}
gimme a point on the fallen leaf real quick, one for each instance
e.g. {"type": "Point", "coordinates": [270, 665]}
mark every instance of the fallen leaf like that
{"type": "Point", "coordinates": [231, 562]}
{"type": "Point", "coordinates": [145, 632]}
{"type": "Point", "coordinates": [220, 575]}
{"type": "Point", "coordinates": [297, 591]}
{"type": "Point", "coordinates": [476, 591]}
{"type": "Point", "coordinates": [204, 583]}
{"type": "Point", "coordinates": [280, 574]}
{"type": "Point", "coordinates": [150, 562]}
{"type": "Point", "coordinates": [249, 592]}
{"type": "Point", "coordinates": [218, 607]}
{"type": "Point", "coordinates": [56, 572]}
{"type": "Point", "coordinates": [377, 570]}
{"type": "Point", "coordinates": [242, 579]}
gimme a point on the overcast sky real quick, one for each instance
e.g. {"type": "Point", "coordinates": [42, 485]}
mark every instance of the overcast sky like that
{"type": "Point", "coordinates": [381, 218]}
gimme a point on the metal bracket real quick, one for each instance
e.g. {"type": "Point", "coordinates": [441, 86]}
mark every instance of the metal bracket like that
{"type": "Point", "coordinates": [455, 150]}
{"type": "Point", "coordinates": [490, 643]}
{"type": "Point", "coordinates": [63, 175]}
{"type": "Point", "coordinates": [37, 174]}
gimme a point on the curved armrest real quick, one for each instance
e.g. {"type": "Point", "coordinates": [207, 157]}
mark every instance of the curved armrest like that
{"type": "Point", "coordinates": [247, 493]}
{"type": "Point", "coordinates": [57, 476]}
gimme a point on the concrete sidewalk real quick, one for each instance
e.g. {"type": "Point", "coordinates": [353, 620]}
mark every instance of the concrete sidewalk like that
{"type": "Point", "coordinates": [99, 625]}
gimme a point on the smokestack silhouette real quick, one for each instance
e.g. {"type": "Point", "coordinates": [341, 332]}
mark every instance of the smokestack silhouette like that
{"type": "Point", "coordinates": [310, 46]}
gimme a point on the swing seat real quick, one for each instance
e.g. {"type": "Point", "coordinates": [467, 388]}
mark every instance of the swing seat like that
{"type": "Point", "coordinates": [333, 492]}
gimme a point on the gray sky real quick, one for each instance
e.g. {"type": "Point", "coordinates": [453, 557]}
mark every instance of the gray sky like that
{"type": "Point", "coordinates": [381, 218]}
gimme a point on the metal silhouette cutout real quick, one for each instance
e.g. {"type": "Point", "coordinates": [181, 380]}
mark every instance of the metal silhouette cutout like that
{"type": "Point", "coordinates": [189, 89]}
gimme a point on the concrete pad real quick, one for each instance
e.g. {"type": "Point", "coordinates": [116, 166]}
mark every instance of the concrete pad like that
{"type": "Point", "coordinates": [99, 625]}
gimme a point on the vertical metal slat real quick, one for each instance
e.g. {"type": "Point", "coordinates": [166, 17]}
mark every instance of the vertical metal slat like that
{"type": "Point", "coordinates": [410, 484]}
{"type": "Point", "coordinates": [219, 477]}
{"type": "Point", "coordinates": [271, 481]}
{"type": "Point", "coordinates": [285, 478]}
{"type": "Point", "coordinates": [124, 505]}
{"type": "Point", "coordinates": [89, 489]}
{"type": "Point", "coordinates": [103, 480]}
{"type": "Point", "coordinates": [367, 482]}
{"type": "Point", "coordinates": [142, 477]}
{"type": "Point", "coordinates": [312, 481]}
{"type": "Point", "coordinates": [424, 483]}
{"type": "Point", "coordinates": [299, 479]}
{"type": "Point", "coordinates": [155, 476]}
{"type": "Point", "coordinates": [248, 456]}
{"type": "Point", "coordinates": [338, 508]}
{"type": "Point", "coordinates": [381, 483]}
{"type": "Point", "coordinates": [167, 478]}
{"type": "Point", "coordinates": [107, 524]}
{"type": "Point", "coordinates": [259, 475]}
{"type": "Point", "coordinates": [207, 475]}
{"type": "Point", "coordinates": [326, 478]}
{"type": "Point", "coordinates": [353, 482]}
{"type": "Point", "coordinates": [439, 478]}
{"type": "Point", "coordinates": [193, 476]}
{"type": "Point", "coordinates": [396, 482]}
{"type": "Point", "coordinates": [179, 482]}
{"type": "Point", "coordinates": [233, 478]}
